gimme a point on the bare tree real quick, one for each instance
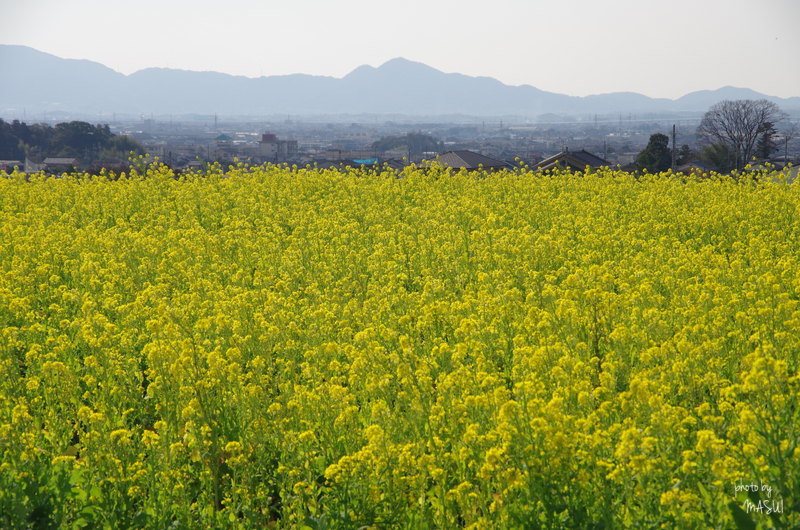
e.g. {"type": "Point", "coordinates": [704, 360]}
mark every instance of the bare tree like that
{"type": "Point", "coordinates": [738, 124]}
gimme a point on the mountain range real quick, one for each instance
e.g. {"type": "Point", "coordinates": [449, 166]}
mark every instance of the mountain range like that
{"type": "Point", "coordinates": [35, 82]}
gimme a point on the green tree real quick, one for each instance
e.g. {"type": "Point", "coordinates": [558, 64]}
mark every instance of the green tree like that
{"type": "Point", "coordinates": [121, 147]}
{"type": "Point", "coordinates": [10, 146]}
{"type": "Point", "coordinates": [766, 145]}
{"type": "Point", "coordinates": [37, 138]}
{"type": "Point", "coordinates": [719, 156]}
{"type": "Point", "coordinates": [656, 157]}
{"type": "Point", "coordinates": [74, 139]}
{"type": "Point", "coordinates": [685, 155]}
{"type": "Point", "coordinates": [415, 143]}
{"type": "Point", "coordinates": [81, 139]}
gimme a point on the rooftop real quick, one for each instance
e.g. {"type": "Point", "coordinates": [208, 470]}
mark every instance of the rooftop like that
{"type": "Point", "coordinates": [55, 161]}
{"type": "Point", "coordinates": [572, 159]}
{"type": "Point", "coordinates": [466, 160]}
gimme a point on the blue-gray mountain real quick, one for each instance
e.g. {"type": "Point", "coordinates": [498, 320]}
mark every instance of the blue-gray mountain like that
{"type": "Point", "coordinates": [37, 82]}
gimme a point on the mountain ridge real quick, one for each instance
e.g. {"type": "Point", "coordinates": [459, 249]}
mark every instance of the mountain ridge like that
{"type": "Point", "coordinates": [398, 86]}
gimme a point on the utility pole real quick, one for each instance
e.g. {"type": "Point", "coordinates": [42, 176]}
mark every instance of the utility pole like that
{"type": "Point", "coordinates": [785, 149]}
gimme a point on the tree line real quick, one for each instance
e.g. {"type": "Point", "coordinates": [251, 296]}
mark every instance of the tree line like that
{"type": "Point", "coordinates": [75, 139]}
{"type": "Point", "coordinates": [414, 143]}
{"type": "Point", "coordinates": [731, 134]}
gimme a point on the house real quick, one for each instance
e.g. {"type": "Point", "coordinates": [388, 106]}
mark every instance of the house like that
{"type": "Point", "coordinates": [116, 165]}
{"type": "Point", "coordinates": [59, 165]}
{"type": "Point", "coordinates": [468, 160]}
{"type": "Point", "coordinates": [393, 165]}
{"type": "Point", "coordinates": [696, 167]}
{"type": "Point", "coordinates": [33, 166]}
{"type": "Point", "coordinates": [776, 169]}
{"type": "Point", "coordinates": [572, 160]}
{"type": "Point", "coordinates": [9, 165]}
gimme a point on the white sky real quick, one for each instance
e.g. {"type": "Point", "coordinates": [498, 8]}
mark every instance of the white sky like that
{"type": "Point", "coordinates": [663, 48]}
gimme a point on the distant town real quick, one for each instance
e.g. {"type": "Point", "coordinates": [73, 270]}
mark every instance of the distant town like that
{"type": "Point", "coordinates": [197, 141]}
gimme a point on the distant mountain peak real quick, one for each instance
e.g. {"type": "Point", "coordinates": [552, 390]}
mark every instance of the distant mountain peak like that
{"type": "Point", "coordinates": [401, 64]}
{"type": "Point", "coordinates": [45, 83]}
{"type": "Point", "coordinates": [402, 61]}
{"type": "Point", "coordinates": [364, 69]}
{"type": "Point", "coordinates": [396, 66]}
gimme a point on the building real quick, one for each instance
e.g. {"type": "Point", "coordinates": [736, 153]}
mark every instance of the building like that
{"type": "Point", "coordinates": [469, 160]}
{"type": "Point", "coordinates": [114, 165]}
{"type": "Point", "coordinates": [9, 165]}
{"type": "Point", "coordinates": [344, 155]}
{"type": "Point", "coordinates": [696, 167]}
{"type": "Point", "coordinates": [33, 166]}
{"type": "Point", "coordinates": [369, 163]}
{"type": "Point", "coordinates": [270, 149]}
{"type": "Point", "coordinates": [224, 141]}
{"type": "Point", "coordinates": [60, 165]}
{"type": "Point", "coordinates": [571, 160]}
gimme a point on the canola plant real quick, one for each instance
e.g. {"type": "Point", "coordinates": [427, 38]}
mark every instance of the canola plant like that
{"type": "Point", "coordinates": [273, 346]}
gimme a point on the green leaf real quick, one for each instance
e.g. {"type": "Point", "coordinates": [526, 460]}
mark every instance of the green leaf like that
{"type": "Point", "coordinates": [76, 477]}
{"type": "Point", "coordinates": [96, 492]}
{"type": "Point", "coordinates": [704, 494]}
{"type": "Point", "coordinates": [740, 517]}
{"type": "Point", "coordinates": [753, 496]}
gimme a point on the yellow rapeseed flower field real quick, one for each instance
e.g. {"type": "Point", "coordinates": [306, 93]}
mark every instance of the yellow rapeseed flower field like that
{"type": "Point", "coordinates": [252, 347]}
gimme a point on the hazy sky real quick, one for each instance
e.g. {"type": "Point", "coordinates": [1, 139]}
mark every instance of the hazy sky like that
{"type": "Point", "coordinates": [577, 47]}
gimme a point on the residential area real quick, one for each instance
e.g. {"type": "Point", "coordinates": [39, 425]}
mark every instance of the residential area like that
{"type": "Point", "coordinates": [193, 142]}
